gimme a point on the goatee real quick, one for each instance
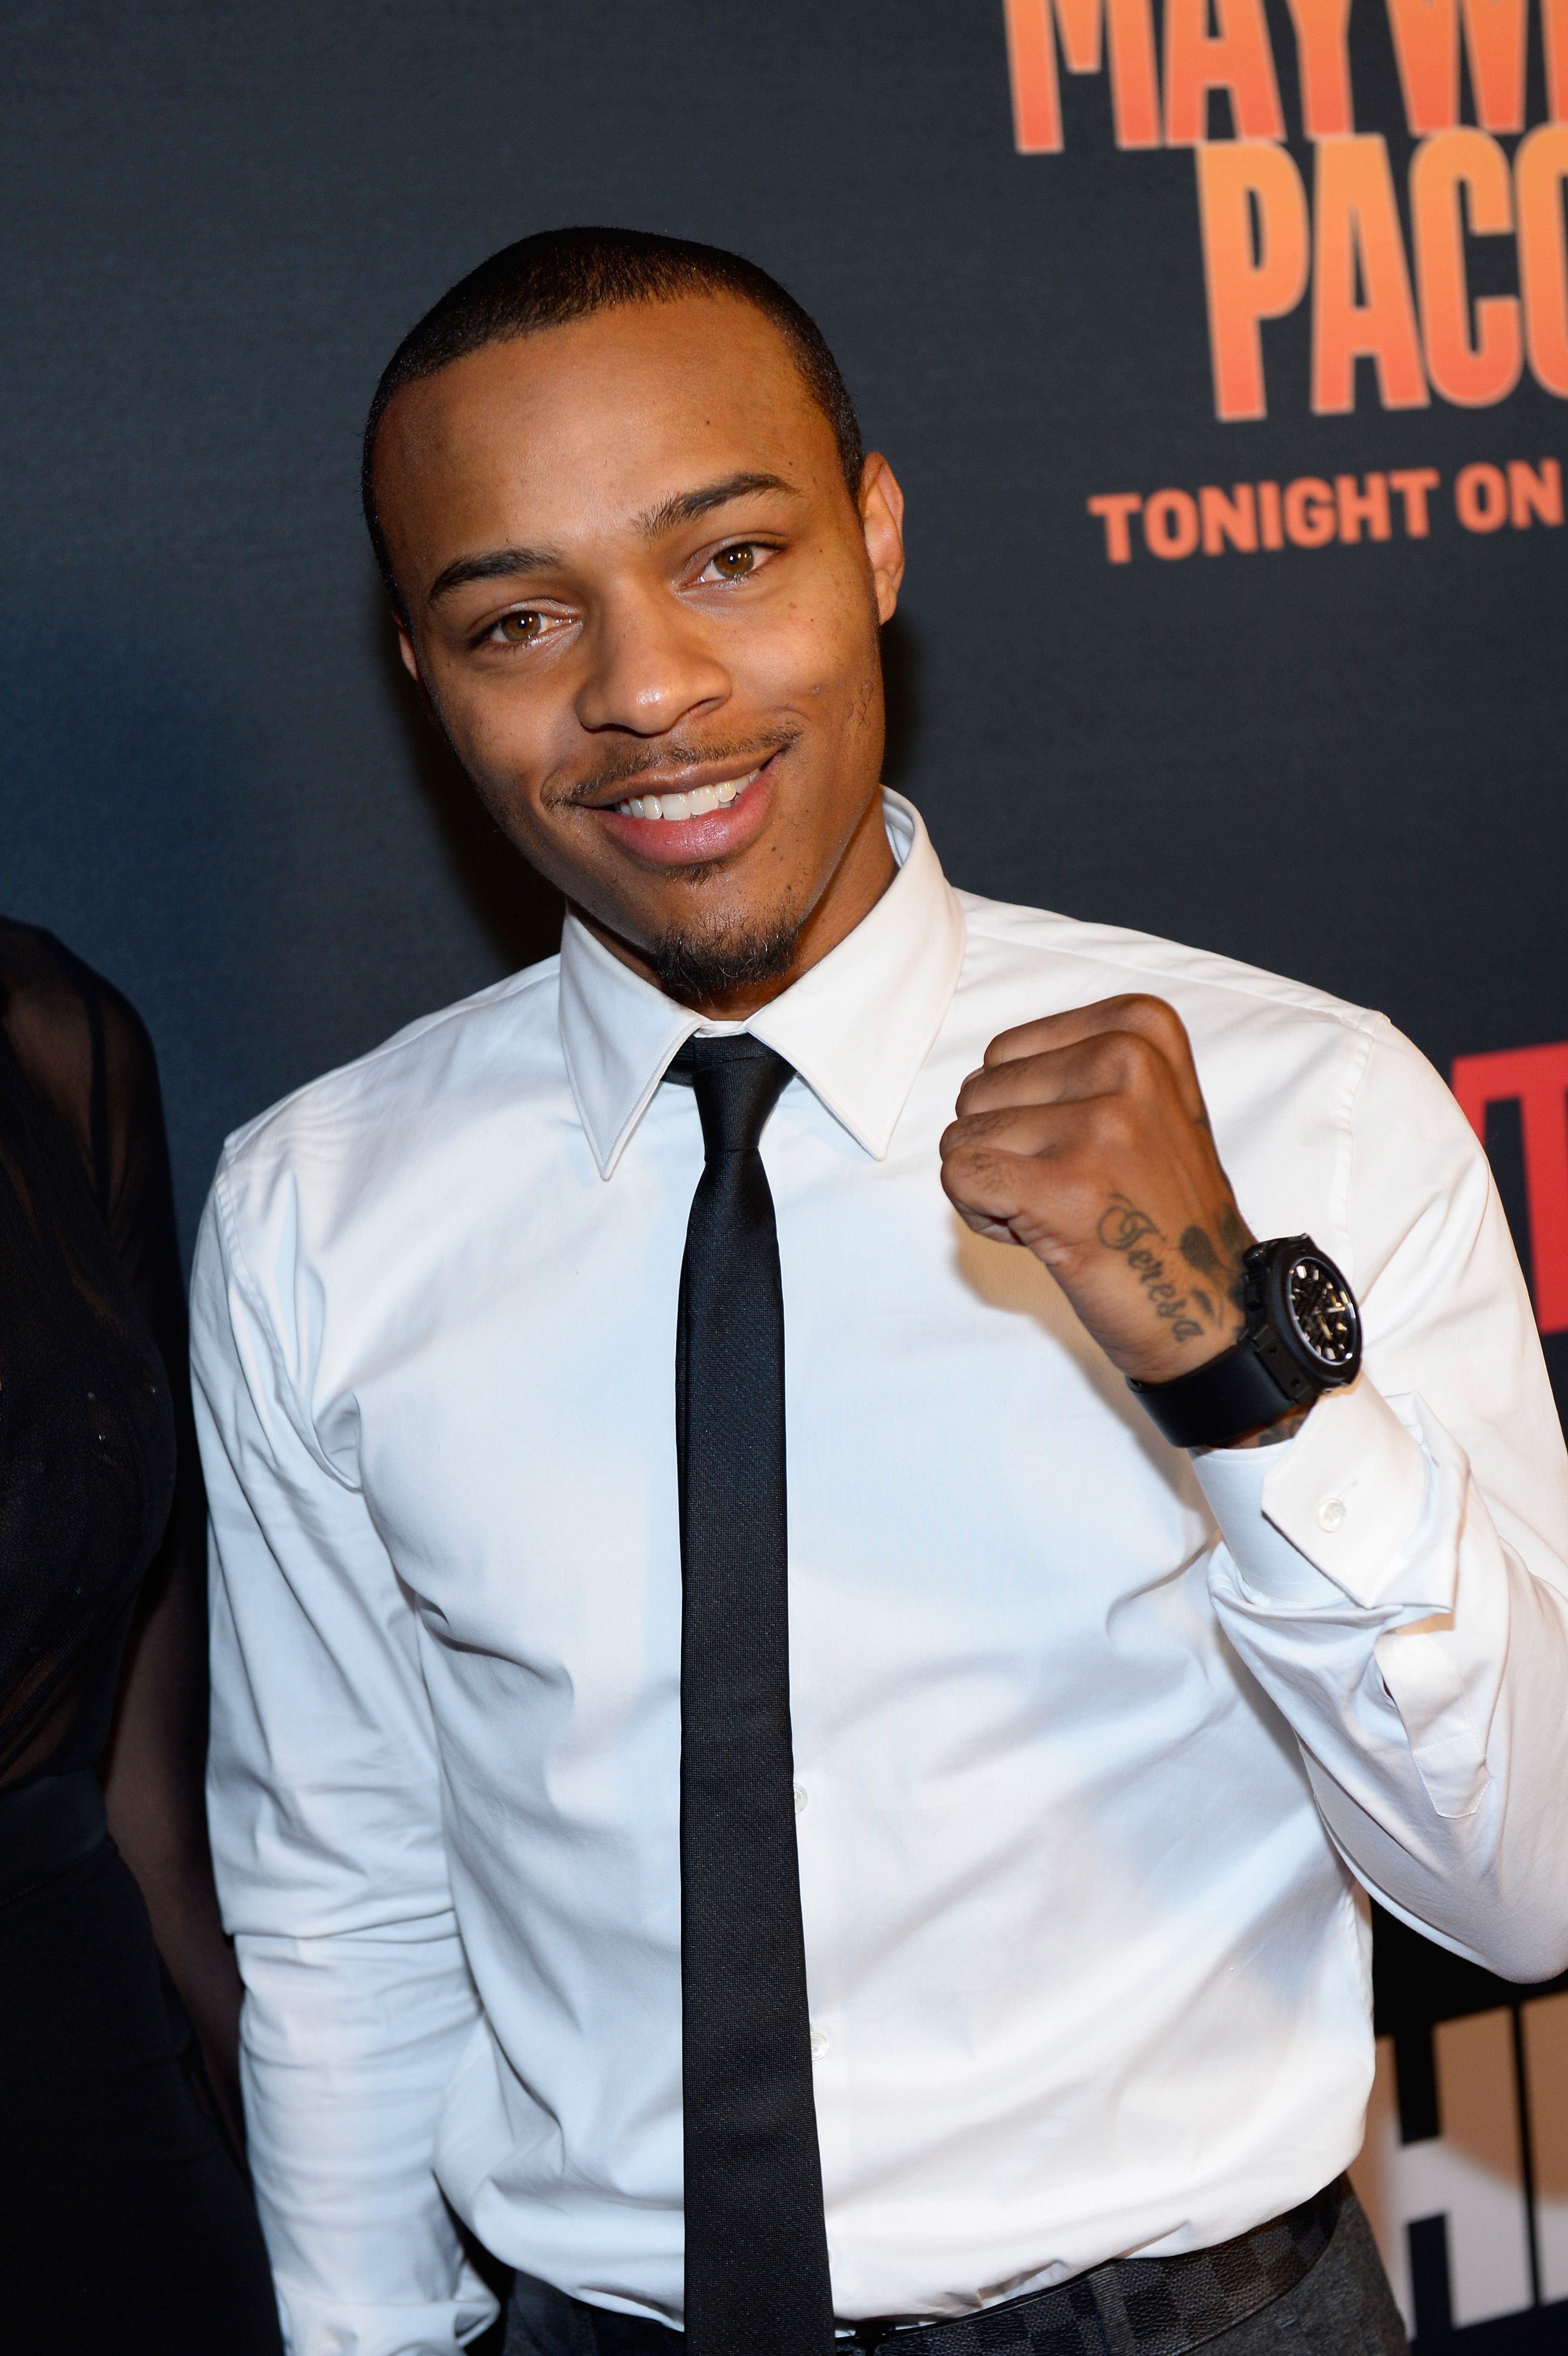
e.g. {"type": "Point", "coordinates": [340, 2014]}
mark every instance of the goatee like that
{"type": "Point", "coordinates": [697, 967]}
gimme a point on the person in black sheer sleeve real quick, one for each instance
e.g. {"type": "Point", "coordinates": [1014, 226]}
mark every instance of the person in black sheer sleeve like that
{"type": "Point", "coordinates": [126, 2218]}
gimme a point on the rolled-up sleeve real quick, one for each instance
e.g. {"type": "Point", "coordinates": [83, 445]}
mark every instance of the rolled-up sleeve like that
{"type": "Point", "coordinates": [324, 1802]}
{"type": "Point", "coordinates": [1394, 1575]}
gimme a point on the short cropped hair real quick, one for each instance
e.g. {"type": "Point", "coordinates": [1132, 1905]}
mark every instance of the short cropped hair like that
{"type": "Point", "coordinates": [569, 274]}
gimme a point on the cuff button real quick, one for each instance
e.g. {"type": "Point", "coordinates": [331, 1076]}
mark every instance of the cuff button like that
{"type": "Point", "coordinates": [1331, 1511]}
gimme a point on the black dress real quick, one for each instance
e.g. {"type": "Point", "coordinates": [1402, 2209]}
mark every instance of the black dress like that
{"type": "Point", "coordinates": [125, 2221]}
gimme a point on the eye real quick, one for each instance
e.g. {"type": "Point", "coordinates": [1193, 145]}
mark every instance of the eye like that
{"type": "Point", "coordinates": [732, 563]}
{"type": "Point", "coordinates": [519, 629]}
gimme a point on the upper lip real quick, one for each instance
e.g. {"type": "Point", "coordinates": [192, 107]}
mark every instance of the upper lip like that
{"type": "Point", "coordinates": [680, 781]}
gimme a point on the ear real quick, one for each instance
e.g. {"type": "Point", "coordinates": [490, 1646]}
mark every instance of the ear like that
{"type": "Point", "coordinates": [410, 663]}
{"type": "Point", "coordinates": [881, 506]}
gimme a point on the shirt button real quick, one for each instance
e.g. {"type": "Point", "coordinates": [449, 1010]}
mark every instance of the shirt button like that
{"type": "Point", "coordinates": [1331, 1511]}
{"type": "Point", "coordinates": [799, 1798]}
{"type": "Point", "coordinates": [818, 2042]}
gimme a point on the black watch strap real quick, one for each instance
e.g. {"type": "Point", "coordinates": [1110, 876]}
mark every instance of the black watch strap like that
{"type": "Point", "coordinates": [1214, 1405]}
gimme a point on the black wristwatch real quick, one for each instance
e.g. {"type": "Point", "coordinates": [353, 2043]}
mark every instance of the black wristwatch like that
{"type": "Point", "coordinates": [1303, 1337]}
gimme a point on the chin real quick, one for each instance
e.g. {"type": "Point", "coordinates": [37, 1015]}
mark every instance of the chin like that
{"type": "Point", "coordinates": [704, 963]}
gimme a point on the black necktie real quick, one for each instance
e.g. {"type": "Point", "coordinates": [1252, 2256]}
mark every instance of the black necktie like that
{"type": "Point", "coordinates": [756, 2247]}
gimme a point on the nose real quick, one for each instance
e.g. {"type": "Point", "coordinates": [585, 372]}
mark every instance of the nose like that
{"type": "Point", "coordinates": [651, 665]}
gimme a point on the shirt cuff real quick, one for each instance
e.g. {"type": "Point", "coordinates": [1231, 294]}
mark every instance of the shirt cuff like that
{"type": "Point", "coordinates": [314, 2327]}
{"type": "Point", "coordinates": [1339, 1511]}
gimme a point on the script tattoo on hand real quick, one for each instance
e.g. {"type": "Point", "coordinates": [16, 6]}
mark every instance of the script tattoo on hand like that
{"type": "Point", "coordinates": [1123, 1227]}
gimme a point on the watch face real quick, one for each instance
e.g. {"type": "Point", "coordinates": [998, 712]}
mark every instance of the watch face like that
{"type": "Point", "coordinates": [1323, 1310]}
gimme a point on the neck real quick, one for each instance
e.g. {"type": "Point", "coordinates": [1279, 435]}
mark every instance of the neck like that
{"type": "Point", "coordinates": [857, 883]}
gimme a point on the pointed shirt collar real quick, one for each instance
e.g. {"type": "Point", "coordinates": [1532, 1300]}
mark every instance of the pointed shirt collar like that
{"type": "Point", "coordinates": [857, 1027]}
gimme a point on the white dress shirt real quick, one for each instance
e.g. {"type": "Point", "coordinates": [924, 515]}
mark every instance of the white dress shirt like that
{"type": "Point", "coordinates": [1093, 1743]}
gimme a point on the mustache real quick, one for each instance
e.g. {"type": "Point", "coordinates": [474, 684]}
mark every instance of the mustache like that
{"type": "Point", "coordinates": [674, 753]}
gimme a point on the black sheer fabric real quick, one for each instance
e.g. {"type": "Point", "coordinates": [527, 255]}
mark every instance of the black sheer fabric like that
{"type": "Point", "coordinates": [125, 2221]}
{"type": "Point", "coordinates": [89, 1283]}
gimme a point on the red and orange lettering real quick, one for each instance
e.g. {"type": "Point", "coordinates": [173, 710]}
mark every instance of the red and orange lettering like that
{"type": "Point", "coordinates": [1554, 35]}
{"type": "Point", "coordinates": [1541, 172]}
{"type": "Point", "coordinates": [1170, 523]}
{"type": "Point", "coordinates": [1494, 42]}
{"type": "Point", "coordinates": [1426, 44]}
{"type": "Point", "coordinates": [1534, 496]}
{"type": "Point", "coordinates": [1032, 71]}
{"type": "Point", "coordinates": [1480, 497]}
{"type": "Point", "coordinates": [1271, 524]}
{"type": "Point", "coordinates": [1357, 505]}
{"type": "Point", "coordinates": [1236, 59]}
{"type": "Point", "coordinates": [1323, 62]}
{"type": "Point", "coordinates": [1412, 484]}
{"type": "Point", "coordinates": [1356, 234]}
{"type": "Point", "coordinates": [1473, 370]}
{"type": "Point", "coordinates": [1114, 508]}
{"type": "Point", "coordinates": [1309, 511]}
{"type": "Point", "coordinates": [1537, 1079]}
{"type": "Point", "coordinates": [1238, 179]}
{"type": "Point", "coordinates": [1234, 519]}
{"type": "Point", "coordinates": [1032, 65]}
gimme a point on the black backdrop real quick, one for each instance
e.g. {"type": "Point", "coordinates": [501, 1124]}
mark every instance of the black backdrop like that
{"type": "Point", "coordinates": [1340, 761]}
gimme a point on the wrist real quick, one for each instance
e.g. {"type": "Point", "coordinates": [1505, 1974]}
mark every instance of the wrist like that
{"type": "Point", "coordinates": [1267, 1435]}
{"type": "Point", "coordinates": [1178, 1359]}
{"type": "Point", "coordinates": [1301, 1337]}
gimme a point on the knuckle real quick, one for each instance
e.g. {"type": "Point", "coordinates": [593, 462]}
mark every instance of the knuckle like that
{"type": "Point", "coordinates": [1000, 1123]}
{"type": "Point", "coordinates": [1139, 1058]}
{"type": "Point", "coordinates": [986, 1167]}
{"type": "Point", "coordinates": [1156, 1014]}
{"type": "Point", "coordinates": [961, 1149]}
{"type": "Point", "coordinates": [1024, 1038]}
{"type": "Point", "coordinates": [1156, 1021]}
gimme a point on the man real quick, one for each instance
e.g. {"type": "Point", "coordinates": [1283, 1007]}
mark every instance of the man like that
{"type": "Point", "coordinates": [947, 1902]}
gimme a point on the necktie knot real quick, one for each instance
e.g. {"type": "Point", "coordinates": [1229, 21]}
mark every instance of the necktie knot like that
{"type": "Point", "coordinates": [737, 1082]}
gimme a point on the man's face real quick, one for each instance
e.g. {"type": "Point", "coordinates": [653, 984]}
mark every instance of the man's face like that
{"type": "Point", "coordinates": [633, 573]}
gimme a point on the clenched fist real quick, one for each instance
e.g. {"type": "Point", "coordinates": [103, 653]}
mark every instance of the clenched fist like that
{"type": "Point", "coordinates": [1084, 1137]}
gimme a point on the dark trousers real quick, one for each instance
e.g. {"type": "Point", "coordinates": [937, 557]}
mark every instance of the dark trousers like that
{"type": "Point", "coordinates": [1342, 2306]}
{"type": "Point", "coordinates": [125, 2221]}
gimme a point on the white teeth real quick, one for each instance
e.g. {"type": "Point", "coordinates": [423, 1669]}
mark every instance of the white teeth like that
{"type": "Point", "coordinates": [696, 804]}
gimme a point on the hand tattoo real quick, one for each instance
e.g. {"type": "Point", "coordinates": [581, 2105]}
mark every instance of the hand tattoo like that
{"type": "Point", "coordinates": [1225, 1276]}
{"type": "Point", "coordinates": [1225, 1273]}
{"type": "Point", "coordinates": [1122, 1228]}
{"type": "Point", "coordinates": [1198, 1252]}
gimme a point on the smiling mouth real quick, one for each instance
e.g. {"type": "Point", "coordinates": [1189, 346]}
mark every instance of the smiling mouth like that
{"type": "Point", "coordinates": [697, 803]}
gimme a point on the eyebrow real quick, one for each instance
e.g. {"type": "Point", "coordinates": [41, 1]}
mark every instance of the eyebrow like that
{"type": "Point", "coordinates": [496, 564]}
{"type": "Point", "coordinates": [682, 506]}
{"type": "Point", "coordinates": [687, 507]}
